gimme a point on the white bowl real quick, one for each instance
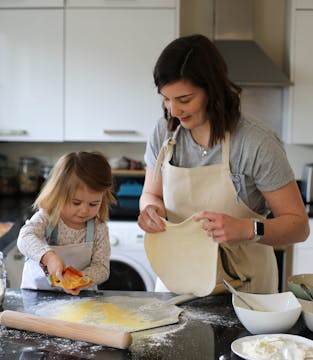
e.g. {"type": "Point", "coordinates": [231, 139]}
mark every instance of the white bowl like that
{"type": "Point", "coordinates": [274, 313]}
{"type": "Point", "coordinates": [307, 312]}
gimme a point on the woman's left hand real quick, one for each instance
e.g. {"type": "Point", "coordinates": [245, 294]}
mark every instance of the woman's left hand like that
{"type": "Point", "coordinates": [225, 229]}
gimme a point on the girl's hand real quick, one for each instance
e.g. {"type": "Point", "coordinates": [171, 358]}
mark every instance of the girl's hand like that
{"type": "Point", "coordinates": [72, 291]}
{"type": "Point", "coordinates": [225, 229]}
{"type": "Point", "coordinates": [54, 264]}
{"type": "Point", "coordinates": [149, 219]}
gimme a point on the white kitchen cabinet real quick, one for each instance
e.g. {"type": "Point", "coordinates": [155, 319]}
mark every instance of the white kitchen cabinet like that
{"type": "Point", "coordinates": [299, 128]}
{"type": "Point", "coordinates": [303, 255]}
{"type": "Point", "coordinates": [111, 50]}
{"type": "Point", "coordinates": [31, 71]}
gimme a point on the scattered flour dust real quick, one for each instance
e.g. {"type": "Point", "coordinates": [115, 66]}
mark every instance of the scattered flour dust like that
{"type": "Point", "coordinates": [209, 316]}
{"type": "Point", "coordinates": [54, 345]}
{"type": "Point", "coordinates": [13, 293]}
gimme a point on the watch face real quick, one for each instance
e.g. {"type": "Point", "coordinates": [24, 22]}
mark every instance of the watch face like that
{"type": "Point", "coordinates": [260, 228]}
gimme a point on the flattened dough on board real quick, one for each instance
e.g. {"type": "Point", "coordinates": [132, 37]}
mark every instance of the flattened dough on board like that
{"type": "Point", "coordinates": [184, 257]}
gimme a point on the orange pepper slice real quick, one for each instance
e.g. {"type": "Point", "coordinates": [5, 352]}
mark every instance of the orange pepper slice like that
{"type": "Point", "coordinates": [72, 279]}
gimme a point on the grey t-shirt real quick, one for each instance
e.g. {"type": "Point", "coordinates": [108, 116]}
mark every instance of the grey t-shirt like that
{"type": "Point", "coordinates": [258, 160]}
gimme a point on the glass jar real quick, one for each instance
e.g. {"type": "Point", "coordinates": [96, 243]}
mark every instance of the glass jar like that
{"type": "Point", "coordinates": [8, 180]}
{"type": "Point", "coordinates": [45, 170]}
{"type": "Point", "coordinates": [28, 176]}
{"type": "Point", "coordinates": [3, 279]}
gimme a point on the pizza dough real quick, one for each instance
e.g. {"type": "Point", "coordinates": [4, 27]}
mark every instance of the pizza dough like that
{"type": "Point", "coordinates": [125, 313]}
{"type": "Point", "coordinates": [184, 257]}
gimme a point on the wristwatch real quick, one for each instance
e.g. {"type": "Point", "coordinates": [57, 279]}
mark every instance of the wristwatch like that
{"type": "Point", "coordinates": [258, 227]}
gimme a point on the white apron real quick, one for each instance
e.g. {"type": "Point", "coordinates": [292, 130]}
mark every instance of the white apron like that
{"type": "Point", "coordinates": [187, 191]}
{"type": "Point", "coordinates": [76, 255]}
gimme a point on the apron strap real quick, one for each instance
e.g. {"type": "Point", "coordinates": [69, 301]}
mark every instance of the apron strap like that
{"type": "Point", "coordinates": [90, 231]}
{"type": "Point", "coordinates": [51, 233]}
{"type": "Point", "coordinates": [165, 152]}
{"type": "Point", "coordinates": [226, 149]}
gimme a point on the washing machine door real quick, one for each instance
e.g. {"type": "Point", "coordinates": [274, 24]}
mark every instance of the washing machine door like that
{"type": "Point", "coordinates": [127, 274]}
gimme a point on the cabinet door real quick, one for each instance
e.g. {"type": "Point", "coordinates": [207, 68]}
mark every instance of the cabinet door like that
{"type": "Point", "coordinates": [302, 71]}
{"type": "Point", "coordinates": [303, 254]}
{"type": "Point", "coordinates": [110, 55]}
{"type": "Point", "coordinates": [31, 75]}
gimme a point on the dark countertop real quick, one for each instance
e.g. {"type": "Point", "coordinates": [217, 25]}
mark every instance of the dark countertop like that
{"type": "Point", "coordinates": [206, 329]}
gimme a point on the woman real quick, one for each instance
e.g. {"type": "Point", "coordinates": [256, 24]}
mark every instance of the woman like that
{"type": "Point", "coordinates": [227, 170]}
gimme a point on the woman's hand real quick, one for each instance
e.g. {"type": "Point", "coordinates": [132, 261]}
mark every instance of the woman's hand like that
{"type": "Point", "coordinates": [54, 264]}
{"type": "Point", "coordinates": [149, 219]}
{"type": "Point", "coordinates": [225, 229]}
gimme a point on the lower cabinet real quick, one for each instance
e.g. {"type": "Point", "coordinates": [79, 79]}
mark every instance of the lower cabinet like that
{"type": "Point", "coordinates": [303, 255]}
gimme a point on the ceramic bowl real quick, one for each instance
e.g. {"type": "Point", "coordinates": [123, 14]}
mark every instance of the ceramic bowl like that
{"type": "Point", "coordinates": [307, 313]}
{"type": "Point", "coordinates": [273, 313]}
{"type": "Point", "coordinates": [294, 282]}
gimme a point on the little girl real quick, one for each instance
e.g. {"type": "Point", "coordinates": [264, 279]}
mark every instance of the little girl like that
{"type": "Point", "coordinates": [69, 227]}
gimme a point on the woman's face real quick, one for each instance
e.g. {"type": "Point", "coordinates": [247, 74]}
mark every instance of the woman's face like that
{"type": "Point", "coordinates": [186, 102]}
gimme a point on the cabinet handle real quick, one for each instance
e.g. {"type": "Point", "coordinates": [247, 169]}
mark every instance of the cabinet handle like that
{"type": "Point", "coordinates": [120, 132]}
{"type": "Point", "coordinates": [13, 132]}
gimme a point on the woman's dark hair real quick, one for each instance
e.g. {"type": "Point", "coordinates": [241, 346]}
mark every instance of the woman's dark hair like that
{"type": "Point", "coordinates": [196, 59]}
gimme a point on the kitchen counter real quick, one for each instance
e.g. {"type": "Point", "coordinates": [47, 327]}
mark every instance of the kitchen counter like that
{"type": "Point", "coordinates": [206, 329]}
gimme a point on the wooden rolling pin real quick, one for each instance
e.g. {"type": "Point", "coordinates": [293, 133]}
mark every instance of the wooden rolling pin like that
{"type": "Point", "coordinates": [93, 334]}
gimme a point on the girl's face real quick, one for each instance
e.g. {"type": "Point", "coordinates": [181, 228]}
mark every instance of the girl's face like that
{"type": "Point", "coordinates": [83, 206]}
{"type": "Point", "coordinates": [186, 102]}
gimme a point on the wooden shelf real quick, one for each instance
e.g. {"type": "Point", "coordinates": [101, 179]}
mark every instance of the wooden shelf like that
{"type": "Point", "coordinates": [128, 172]}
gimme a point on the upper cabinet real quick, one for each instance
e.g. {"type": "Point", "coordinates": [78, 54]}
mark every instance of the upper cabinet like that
{"type": "Point", "coordinates": [299, 129]}
{"type": "Point", "coordinates": [31, 71]}
{"type": "Point", "coordinates": [110, 55]}
{"type": "Point", "coordinates": [81, 70]}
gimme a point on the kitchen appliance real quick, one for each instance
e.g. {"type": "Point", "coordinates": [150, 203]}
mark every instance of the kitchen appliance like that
{"type": "Point", "coordinates": [307, 184]}
{"type": "Point", "coordinates": [130, 268]}
{"type": "Point", "coordinates": [234, 36]}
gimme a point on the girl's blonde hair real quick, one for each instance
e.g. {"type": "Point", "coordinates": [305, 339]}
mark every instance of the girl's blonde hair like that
{"type": "Point", "coordinates": [69, 173]}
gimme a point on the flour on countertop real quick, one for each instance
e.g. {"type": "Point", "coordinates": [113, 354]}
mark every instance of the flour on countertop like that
{"type": "Point", "coordinates": [52, 344]}
{"type": "Point", "coordinates": [13, 293]}
{"type": "Point", "coordinates": [208, 316]}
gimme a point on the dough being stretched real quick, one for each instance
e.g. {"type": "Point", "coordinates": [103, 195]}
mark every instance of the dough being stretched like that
{"type": "Point", "coordinates": [184, 257]}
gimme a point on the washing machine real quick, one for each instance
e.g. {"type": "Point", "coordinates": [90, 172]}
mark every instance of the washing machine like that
{"type": "Point", "coordinates": [129, 266]}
